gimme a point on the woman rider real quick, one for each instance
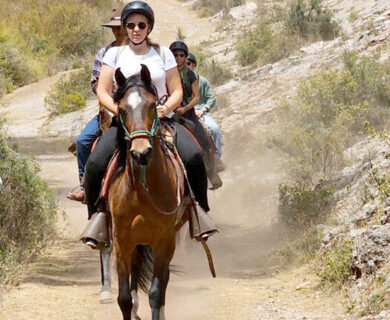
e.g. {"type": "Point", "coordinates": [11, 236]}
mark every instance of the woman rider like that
{"type": "Point", "coordinates": [190, 83]}
{"type": "Point", "coordinates": [137, 19]}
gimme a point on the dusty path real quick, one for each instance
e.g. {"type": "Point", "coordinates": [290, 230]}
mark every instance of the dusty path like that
{"type": "Point", "coordinates": [64, 282]}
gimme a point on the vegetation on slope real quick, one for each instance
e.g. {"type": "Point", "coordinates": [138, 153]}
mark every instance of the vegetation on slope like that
{"type": "Point", "coordinates": [27, 210]}
{"type": "Point", "coordinates": [39, 37]}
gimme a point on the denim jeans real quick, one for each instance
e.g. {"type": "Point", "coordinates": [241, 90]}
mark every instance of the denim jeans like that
{"type": "Point", "coordinates": [215, 132]}
{"type": "Point", "coordinates": [84, 143]}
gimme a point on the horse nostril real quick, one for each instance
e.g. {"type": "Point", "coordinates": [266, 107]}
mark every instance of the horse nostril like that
{"type": "Point", "coordinates": [135, 154]}
{"type": "Point", "coordinates": [147, 153]}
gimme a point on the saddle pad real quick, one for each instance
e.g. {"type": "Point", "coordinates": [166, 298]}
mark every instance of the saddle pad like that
{"type": "Point", "coordinates": [108, 175]}
{"type": "Point", "coordinates": [174, 157]}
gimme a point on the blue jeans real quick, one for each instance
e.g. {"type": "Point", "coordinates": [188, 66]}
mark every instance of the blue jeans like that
{"type": "Point", "coordinates": [215, 132]}
{"type": "Point", "coordinates": [84, 143]}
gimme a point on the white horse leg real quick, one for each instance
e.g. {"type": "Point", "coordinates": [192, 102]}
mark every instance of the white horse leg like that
{"type": "Point", "coordinates": [134, 311]}
{"type": "Point", "coordinates": [105, 293]}
{"type": "Point", "coordinates": [162, 313]}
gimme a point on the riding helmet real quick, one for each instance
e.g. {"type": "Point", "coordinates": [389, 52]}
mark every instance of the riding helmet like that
{"type": "Point", "coordinates": [191, 57]}
{"type": "Point", "coordinates": [138, 7]}
{"type": "Point", "coordinates": [179, 45]}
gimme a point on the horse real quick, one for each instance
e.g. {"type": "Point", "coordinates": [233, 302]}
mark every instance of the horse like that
{"type": "Point", "coordinates": [143, 198]}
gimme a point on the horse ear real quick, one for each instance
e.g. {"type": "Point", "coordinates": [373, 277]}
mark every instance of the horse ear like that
{"type": "Point", "coordinates": [119, 77]}
{"type": "Point", "coordinates": [145, 75]}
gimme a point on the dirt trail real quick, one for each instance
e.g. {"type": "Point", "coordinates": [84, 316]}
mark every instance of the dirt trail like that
{"type": "Point", "coordinates": [64, 282]}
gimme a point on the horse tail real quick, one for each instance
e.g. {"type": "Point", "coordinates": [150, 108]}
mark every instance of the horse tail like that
{"type": "Point", "coordinates": [142, 267]}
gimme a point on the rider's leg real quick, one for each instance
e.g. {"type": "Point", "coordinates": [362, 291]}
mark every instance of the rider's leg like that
{"type": "Point", "coordinates": [84, 143]}
{"type": "Point", "coordinates": [215, 131]}
{"type": "Point", "coordinates": [83, 149]}
{"type": "Point", "coordinates": [96, 167]}
{"type": "Point", "coordinates": [200, 134]}
{"type": "Point", "coordinates": [193, 162]}
{"type": "Point", "coordinates": [97, 163]}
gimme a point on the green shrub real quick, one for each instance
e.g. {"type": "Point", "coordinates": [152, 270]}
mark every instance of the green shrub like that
{"type": "Point", "coordinates": [301, 207]}
{"type": "Point", "coordinates": [336, 263]}
{"type": "Point", "coordinates": [27, 211]}
{"type": "Point", "coordinates": [264, 45]}
{"type": "Point", "coordinates": [307, 18]}
{"type": "Point", "coordinates": [69, 93]}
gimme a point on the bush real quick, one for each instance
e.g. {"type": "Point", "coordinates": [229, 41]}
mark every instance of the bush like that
{"type": "Point", "coordinates": [336, 264]}
{"type": "Point", "coordinates": [328, 113]}
{"type": "Point", "coordinates": [307, 18]}
{"type": "Point", "coordinates": [27, 211]}
{"type": "Point", "coordinates": [264, 45]}
{"type": "Point", "coordinates": [301, 207]}
{"type": "Point", "coordinates": [69, 93]}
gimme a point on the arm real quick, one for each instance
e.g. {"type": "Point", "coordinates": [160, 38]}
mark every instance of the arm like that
{"type": "Point", "coordinates": [175, 92]}
{"type": "Point", "coordinates": [194, 101]}
{"type": "Point", "coordinates": [104, 89]}
{"type": "Point", "coordinates": [96, 71]}
{"type": "Point", "coordinates": [209, 98]}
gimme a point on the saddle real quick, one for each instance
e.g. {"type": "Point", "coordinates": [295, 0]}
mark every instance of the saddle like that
{"type": "Point", "coordinates": [169, 149]}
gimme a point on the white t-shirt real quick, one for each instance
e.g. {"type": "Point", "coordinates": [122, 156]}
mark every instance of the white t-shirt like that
{"type": "Point", "coordinates": [130, 63]}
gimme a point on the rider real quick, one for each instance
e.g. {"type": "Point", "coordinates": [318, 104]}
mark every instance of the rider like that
{"type": "Point", "coordinates": [92, 130]}
{"type": "Point", "coordinates": [137, 19]}
{"type": "Point", "coordinates": [190, 83]}
{"type": "Point", "coordinates": [206, 103]}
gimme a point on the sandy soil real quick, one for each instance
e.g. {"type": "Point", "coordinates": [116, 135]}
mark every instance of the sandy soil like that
{"type": "Point", "coordinates": [64, 282]}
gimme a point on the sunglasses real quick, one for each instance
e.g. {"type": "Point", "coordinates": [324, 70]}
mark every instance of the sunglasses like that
{"type": "Point", "coordinates": [181, 55]}
{"type": "Point", "coordinates": [131, 25]}
{"type": "Point", "coordinates": [188, 63]}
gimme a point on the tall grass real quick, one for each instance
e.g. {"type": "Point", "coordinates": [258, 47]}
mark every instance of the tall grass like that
{"type": "Point", "coordinates": [42, 37]}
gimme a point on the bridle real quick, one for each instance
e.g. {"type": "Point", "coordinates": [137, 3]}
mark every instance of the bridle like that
{"type": "Point", "coordinates": [136, 134]}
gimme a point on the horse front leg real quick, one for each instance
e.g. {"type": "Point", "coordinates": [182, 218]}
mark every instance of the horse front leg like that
{"type": "Point", "coordinates": [123, 265]}
{"type": "Point", "coordinates": [162, 259]}
{"type": "Point", "coordinates": [105, 292]}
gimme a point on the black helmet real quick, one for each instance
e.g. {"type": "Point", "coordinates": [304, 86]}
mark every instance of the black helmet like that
{"type": "Point", "coordinates": [179, 45]}
{"type": "Point", "coordinates": [191, 57]}
{"type": "Point", "coordinates": [138, 7]}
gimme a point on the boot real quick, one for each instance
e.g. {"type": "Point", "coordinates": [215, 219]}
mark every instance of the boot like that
{"type": "Point", "coordinates": [95, 234]}
{"type": "Point", "coordinates": [202, 225]}
{"type": "Point", "coordinates": [219, 165]}
{"type": "Point", "coordinates": [77, 194]}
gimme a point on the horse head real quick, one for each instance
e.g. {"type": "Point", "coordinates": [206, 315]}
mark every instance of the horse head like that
{"type": "Point", "coordinates": [137, 100]}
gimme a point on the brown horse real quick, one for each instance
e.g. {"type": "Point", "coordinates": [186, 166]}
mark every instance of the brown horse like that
{"type": "Point", "coordinates": [143, 198]}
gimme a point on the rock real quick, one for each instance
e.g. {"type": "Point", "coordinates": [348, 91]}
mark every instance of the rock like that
{"type": "Point", "coordinates": [244, 11]}
{"type": "Point", "coordinates": [304, 285]}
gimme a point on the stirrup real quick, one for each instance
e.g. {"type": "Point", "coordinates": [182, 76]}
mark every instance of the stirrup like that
{"type": "Point", "coordinates": [95, 235]}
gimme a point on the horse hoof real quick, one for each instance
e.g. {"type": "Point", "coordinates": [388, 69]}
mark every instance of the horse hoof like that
{"type": "Point", "coordinates": [105, 297]}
